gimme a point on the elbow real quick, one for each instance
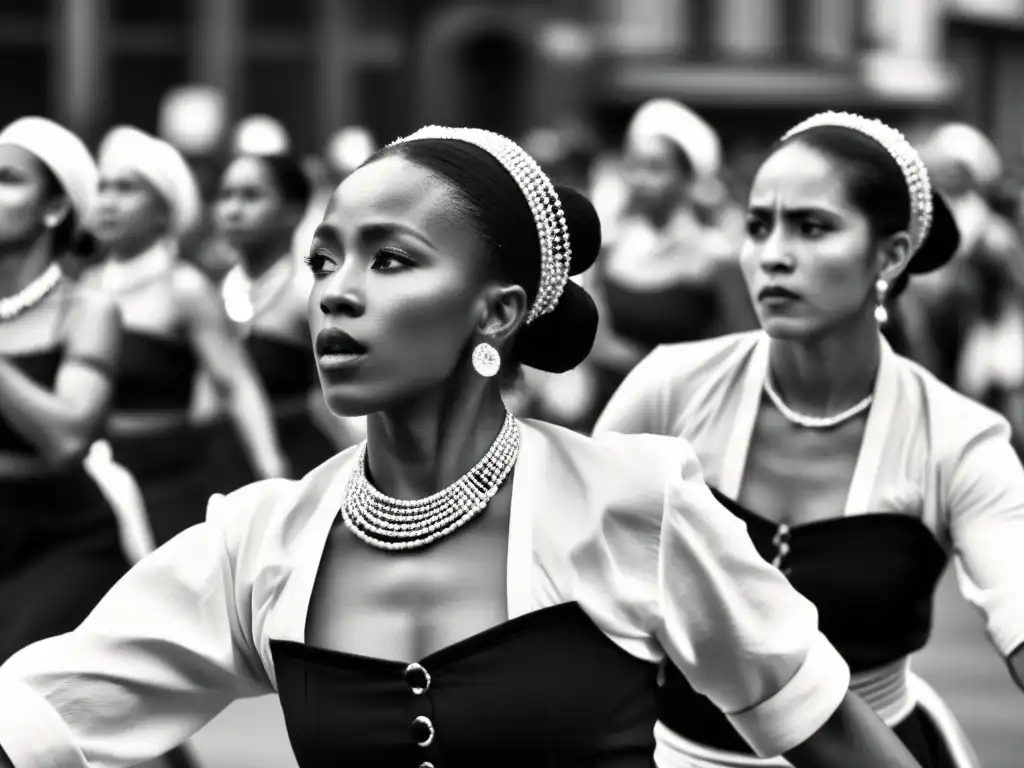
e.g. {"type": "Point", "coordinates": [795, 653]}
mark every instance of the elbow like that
{"type": "Point", "coordinates": [68, 452]}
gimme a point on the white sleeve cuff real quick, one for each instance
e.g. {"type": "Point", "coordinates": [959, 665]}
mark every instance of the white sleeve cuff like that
{"type": "Point", "coordinates": [31, 733]}
{"type": "Point", "coordinates": [801, 707]}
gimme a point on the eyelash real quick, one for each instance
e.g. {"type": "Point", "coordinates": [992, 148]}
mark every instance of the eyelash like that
{"type": "Point", "coordinates": [315, 260]}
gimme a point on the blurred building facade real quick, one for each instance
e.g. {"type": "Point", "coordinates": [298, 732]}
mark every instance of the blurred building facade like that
{"type": "Point", "coordinates": [751, 65]}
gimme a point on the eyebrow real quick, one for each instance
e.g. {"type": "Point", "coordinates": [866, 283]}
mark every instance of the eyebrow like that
{"type": "Point", "coordinates": [373, 231]}
{"type": "Point", "coordinates": [799, 212]}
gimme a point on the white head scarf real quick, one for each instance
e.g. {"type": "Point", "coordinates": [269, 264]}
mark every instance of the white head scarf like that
{"type": "Point", "coordinates": [162, 166]}
{"type": "Point", "coordinates": [349, 147]}
{"type": "Point", "coordinates": [682, 126]}
{"type": "Point", "coordinates": [62, 152]}
{"type": "Point", "coordinates": [963, 143]}
{"type": "Point", "coordinates": [260, 135]}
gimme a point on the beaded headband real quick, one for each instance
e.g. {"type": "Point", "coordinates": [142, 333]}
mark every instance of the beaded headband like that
{"type": "Point", "coordinates": [540, 194]}
{"type": "Point", "coordinates": [915, 174]}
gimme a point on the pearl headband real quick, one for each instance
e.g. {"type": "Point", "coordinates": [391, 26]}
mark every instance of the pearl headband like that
{"type": "Point", "coordinates": [540, 194]}
{"type": "Point", "coordinates": [915, 174]}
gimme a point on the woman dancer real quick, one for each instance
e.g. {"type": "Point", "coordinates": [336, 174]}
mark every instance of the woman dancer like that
{"type": "Point", "coordinates": [175, 326]}
{"type": "Point", "coordinates": [440, 265]}
{"type": "Point", "coordinates": [669, 272]}
{"type": "Point", "coordinates": [260, 203]}
{"type": "Point", "coordinates": [835, 451]}
{"type": "Point", "coordinates": [59, 545]}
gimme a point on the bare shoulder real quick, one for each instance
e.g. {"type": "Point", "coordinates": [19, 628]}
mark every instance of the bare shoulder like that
{"type": "Point", "coordinates": [91, 312]}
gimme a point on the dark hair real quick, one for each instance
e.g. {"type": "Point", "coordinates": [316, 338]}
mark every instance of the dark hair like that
{"type": "Point", "coordinates": [491, 199]}
{"type": "Point", "coordinates": [875, 185]}
{"type": "Point", "coordinates": [69, 238]}
{"type": "Point", "coordinates": [289, 178]}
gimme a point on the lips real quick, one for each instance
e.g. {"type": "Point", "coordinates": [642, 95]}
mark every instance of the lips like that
{"type": "Point", "coordinates": [334, 341]}
{"type": "Point", "coordinates": [776, 292]}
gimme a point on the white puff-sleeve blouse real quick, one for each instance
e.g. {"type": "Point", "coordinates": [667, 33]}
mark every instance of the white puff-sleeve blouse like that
{"type": "Point", "coordinates": [927, 451]}
{"type": "Point", "coordinates": [608, 523]}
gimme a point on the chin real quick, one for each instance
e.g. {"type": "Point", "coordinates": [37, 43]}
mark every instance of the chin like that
{"type": "Point", "coordinates": [789, 328]}
{"type": "Point", "coordinates": [349, 403]}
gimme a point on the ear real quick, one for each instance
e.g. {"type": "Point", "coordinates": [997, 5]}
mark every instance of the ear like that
{"type": "Point", "coordinates": [503, 309]}
{"type": "Point", "coordinates": [57, 209]}
{"type": "Point", "coordinates": [892, 256]}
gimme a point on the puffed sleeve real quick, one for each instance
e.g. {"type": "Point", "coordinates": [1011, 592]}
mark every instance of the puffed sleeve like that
{"type": "Point", "coordinates": [162, 654]}
{"type": "Point", "coordinates": [735, 627]}
{"type": "Point", "coordinates": [641, 404]}
{"type": "Point", "coordinates": [986, 525]}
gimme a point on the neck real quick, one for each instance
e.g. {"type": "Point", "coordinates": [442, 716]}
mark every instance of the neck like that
{"type": "Point", "coordinates": [129, 249]}
{"type": "Point", "coordinates": [19, 267]}
{"type": "Point", "coordinates": [416, 450]}
{"type": "Point", "coordinates": [825, 376]}
{"type": "Point", "coordinates": [258, 261]}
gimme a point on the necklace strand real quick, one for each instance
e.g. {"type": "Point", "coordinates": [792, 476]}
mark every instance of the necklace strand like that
{"type": "Point", "coordinates": [399, 524]}
{"type": "Point", "coordinates": [31, 294]}
{"type": "Point", "coordinates": [815, 422]}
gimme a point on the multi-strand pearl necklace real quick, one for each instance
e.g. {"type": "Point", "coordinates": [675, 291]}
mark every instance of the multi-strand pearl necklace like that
{"type": "Point", "coordinates": [398, 524]}
{"type": "Point", "coordinates": [815, 422]}
{"type": "Point", "coordinates": [31, 294]}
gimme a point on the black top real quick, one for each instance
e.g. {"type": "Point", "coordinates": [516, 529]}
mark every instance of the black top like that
{"type": "Point", "coordinates": [871, 577]}
{"type": "Point", "coordinates": [42, 368]}
{"type": "Point", "coordinates": [545, 690]}
{"type": "Point", "coordinates": [154, 373]}
{"type": "Point", "coordinates": [287, 370]}
{"type": "Point", "coordinates": [666, 315]}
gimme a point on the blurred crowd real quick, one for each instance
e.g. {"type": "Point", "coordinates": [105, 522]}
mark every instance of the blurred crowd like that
{"type": "Point", "coordinates": [671, 206]}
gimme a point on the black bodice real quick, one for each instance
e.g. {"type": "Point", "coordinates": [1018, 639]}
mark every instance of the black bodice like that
{"type": "Point", "coordinates": [872, 578]}
{"type": "Point", "coordinates": [547, 690]}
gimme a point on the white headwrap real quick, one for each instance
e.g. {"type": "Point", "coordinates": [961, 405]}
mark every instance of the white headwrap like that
{"type": "Point", "coordinates": [963, 143]}
{"type": "Point", "coordinates": [260, 135]}
{"type": "Point", "coordinates": [62, 152]}
{"type": "Point", "coordinates": [349, 147]}
{"type": "Point", "coordinates": [682, 126]}
{"type": "Point", "coordinates": [162, 166]}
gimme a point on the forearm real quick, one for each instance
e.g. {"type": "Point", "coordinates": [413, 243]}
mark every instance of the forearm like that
{"type": "Point", "coordinates": [853, 737]}
{"type": "Point", "coordinates": [38, 415]}
{"type": "Point", "coordinates": [254, 421]}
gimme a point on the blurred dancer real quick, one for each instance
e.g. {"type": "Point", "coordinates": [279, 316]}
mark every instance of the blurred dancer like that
{"type": "Point", "coordinates": [60, 549]}
{"type": "Point", "coordinates": [669, 270]}
{"type": "Point", "coordinates": [975, 310]}
{"type": "Point", "coordinates": [175, 326]}
{"type": "Point", "coordinates": [260, 204]}
{"type": "Point", "coordinates": [856, 471]}
{"type": "Point", "coordinates": [539, 576]}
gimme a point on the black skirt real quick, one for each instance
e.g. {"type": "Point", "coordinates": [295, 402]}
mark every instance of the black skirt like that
{"type": "Point", "coordinates": [175, 473]}
{"type": "Point", "coordinates": [60, 552]}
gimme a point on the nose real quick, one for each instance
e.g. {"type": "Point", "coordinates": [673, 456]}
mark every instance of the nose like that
{"type": "Point", "coordinates": [344, 291]}
{"type": "Point", "coordinates": [775, 254]}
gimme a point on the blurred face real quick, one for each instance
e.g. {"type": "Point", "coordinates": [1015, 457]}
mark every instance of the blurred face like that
{"type": "Point", "coordinates": [807, 255]}
{"type": "Point", "coordinates": [24, 195]}
{"type": "Point", "coordinates": [653, 174]}
{"type": "Point", "coordinates": [397, 295]}
{"type": "Point", "coordinates": [249, 207]}
{"type": "Point", "coordinates": [129, 210]}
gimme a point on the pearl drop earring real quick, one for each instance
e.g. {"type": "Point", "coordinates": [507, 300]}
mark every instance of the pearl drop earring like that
{"type": "Point", "coordinates": [881, 313]}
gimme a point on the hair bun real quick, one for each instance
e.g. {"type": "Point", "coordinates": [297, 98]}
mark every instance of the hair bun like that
{"type": "Point", "coordinates": [560, 340]}
{"type": "Point", "coordinates": [584, 229]}
{"type": "Point", "coordinates": [942, 242]}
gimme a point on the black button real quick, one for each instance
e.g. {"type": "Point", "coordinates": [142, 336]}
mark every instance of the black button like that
{"type": "Point", "coordinates": [417, 678]}
{"type": "Point", "coordinates": [423, 731]}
